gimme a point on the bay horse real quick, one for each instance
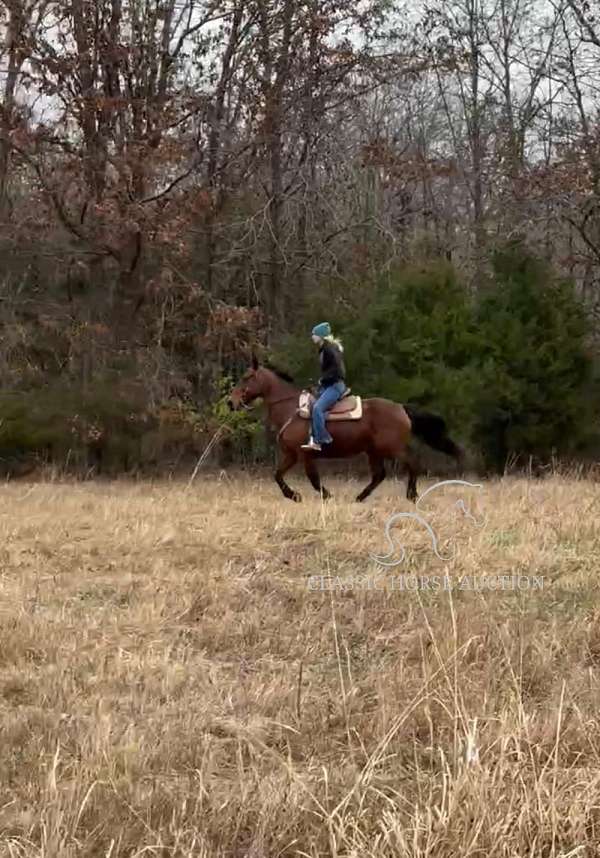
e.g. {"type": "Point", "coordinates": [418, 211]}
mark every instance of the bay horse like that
{"type": "Point", "coordinates": [378, 427]}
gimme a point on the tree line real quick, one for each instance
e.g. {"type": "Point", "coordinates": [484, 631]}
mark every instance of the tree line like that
{"type": "Point", "coordinates": [181, 180]}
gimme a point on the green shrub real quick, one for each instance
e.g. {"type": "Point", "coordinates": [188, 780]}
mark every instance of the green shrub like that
{"type": "Point", "coordinates": [245, 440]}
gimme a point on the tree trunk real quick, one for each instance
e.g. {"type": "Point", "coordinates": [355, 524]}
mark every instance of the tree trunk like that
{"type": "Point", "coordinates": [13, 35]}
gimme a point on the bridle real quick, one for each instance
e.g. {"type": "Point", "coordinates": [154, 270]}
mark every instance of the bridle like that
{"type": "Point", "coordinates": [272, 402]}
{"type": "Point", "coordinates": [286, 398]}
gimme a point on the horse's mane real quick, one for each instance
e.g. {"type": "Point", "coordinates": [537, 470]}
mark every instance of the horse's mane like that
{"type": "Point", "coordinates": [284, 376]}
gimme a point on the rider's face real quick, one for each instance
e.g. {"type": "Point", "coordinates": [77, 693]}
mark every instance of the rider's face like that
{"type": "Point", "coordinates": [316, 340]}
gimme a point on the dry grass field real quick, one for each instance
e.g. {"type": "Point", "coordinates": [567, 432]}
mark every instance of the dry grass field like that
{"type": "Point", "coordinates": [171, 686]}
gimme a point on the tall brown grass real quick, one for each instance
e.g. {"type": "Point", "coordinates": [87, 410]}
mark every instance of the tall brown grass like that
{"type": "Point", "coordinates": [169, 685]}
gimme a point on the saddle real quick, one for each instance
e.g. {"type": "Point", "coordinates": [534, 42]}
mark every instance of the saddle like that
{"type": "Point", "coordinates": [349, 407]}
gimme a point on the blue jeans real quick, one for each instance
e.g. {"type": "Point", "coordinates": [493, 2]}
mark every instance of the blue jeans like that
{"type": "Point", "coordinates": [327, 399]}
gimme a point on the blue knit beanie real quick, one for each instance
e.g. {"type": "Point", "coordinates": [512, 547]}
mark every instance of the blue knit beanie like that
{"type": "Point", "coordinates": [322, 330]}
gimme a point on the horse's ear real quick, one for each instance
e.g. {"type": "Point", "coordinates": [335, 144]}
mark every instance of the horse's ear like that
{"type": "Point", "coordinates": [254, 361]}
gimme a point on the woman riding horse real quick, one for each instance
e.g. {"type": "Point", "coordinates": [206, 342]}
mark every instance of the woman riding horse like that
{"type": "Point", "coordinates": [383, 431]}
{"type": "Point", "coordinates": [332, 384]}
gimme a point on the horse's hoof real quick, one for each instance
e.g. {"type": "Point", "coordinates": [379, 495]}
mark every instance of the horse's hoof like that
{"type": "Point", "coordinates": [296, 497]}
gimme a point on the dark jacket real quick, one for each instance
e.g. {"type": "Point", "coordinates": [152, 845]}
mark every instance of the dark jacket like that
{"type": "Point", "coordinates": [332, 365]}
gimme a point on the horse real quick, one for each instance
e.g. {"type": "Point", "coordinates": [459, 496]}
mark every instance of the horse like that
{"type": "Point", "coordinates": [378, 427]}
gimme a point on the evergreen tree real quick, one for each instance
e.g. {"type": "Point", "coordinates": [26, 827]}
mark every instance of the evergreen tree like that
{"type": "Point", "coordinates": [536, 392]}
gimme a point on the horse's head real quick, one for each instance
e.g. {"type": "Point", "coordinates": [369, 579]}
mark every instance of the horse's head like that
{"type": "Point", "coordinates": [252, 385]}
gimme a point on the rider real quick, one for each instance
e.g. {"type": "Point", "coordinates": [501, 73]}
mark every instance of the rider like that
{"type": "Point", "coordinates": [331, 384]}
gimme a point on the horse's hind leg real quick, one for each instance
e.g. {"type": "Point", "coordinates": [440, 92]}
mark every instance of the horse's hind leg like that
{"type": "Point", "coordinates": [288, 460]}
{"type": "Point", "coordinates": [413, 470]}
{"type": "Point", "coordinates": [312, 472]}
{"type": "Point", "coordinates": [411, 485]}
{"type": "Point", "coordinates": [377, 476]}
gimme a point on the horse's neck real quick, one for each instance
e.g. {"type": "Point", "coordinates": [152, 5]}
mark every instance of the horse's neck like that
{"type": "Point", "coordinates": [281, 401]}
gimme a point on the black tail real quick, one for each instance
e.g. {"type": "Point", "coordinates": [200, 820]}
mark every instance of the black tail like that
{"type": "Point", "coordinates": [431, 429]}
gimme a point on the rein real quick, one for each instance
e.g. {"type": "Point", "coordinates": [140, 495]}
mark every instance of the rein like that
{"type": "Point", "coordinates": [289, 420]}
{"type": "Point", "coordinates": [274, 402]}
{"type": "Point", "coordinates": [283, 399]}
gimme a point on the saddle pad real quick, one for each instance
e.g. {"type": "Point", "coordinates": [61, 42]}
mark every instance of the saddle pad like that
{"type": "Point", "coordinates": [349, 408]}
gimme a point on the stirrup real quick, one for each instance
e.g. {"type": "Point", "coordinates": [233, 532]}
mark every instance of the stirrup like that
{"type": "Point", "coordinates": [311, 445]}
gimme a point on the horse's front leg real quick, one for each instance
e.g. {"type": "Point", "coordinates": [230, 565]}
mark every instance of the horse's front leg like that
{"type": "Point", "coordinates": [288, 460]}
{"type": "Point", "coordinates": [377, 466]}
{"type": "Point", "coordinates": [312, 472]}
